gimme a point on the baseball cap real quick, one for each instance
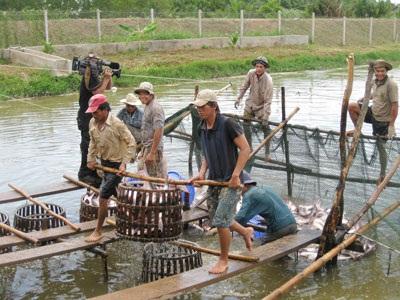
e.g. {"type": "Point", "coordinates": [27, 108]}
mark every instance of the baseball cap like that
{"type": "Point", "coordinates": [95, 101]}
{"type": "Point", "coordinates": [246, 178]}
{"type": "Point", "coordinates": [205, 96]}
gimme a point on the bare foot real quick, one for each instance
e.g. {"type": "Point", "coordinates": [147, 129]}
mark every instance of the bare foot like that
{"type": "Point", "coordinates": [248, 238]}
{"type": "Point", "coordinates": [94, 237]}
{"type": "Point", "coordinates": [219, 268]}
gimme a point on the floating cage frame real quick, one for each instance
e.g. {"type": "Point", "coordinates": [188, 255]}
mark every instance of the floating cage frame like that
{"type": "Point", "coordinates": [163, 260]}
{"type": "Point", "coordinates": [148, 215]}
{"type": "Point", "coordinates": [33, 217]}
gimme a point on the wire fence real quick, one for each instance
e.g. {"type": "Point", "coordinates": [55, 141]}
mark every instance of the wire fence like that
{"type": "Point", "coordinates": [35, 28]}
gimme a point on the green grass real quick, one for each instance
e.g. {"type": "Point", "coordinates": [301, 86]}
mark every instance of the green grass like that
{"type": "Point", "coordinates": [37, 84]}
{"type": "Point", "coordinates": [189, 66]}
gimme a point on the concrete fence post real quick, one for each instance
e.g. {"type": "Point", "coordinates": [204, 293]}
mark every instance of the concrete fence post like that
{"type": "Point", "coordinates": [344, 32]}
{"type": "Point", "coordinates": [200, 24]}
{"type": "Point", "coordinates": [98, 24]}
{"type": "Point", "coordinates": [313, 28]}
{"type": "Point", "coordinates": [241, 26]}
{"type": "Point", "coordinates": [371, 28]}
{"type": "Point", "coordinates": [394, 29]}
{"type": "Point", "coordinates": [152, 15]}
{"type": "Point", "coordinates": [279, 22]}
{"type": "Point", "coordinates": [46, 26]}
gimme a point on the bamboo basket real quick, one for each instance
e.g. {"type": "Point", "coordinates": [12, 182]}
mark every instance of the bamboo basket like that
{"type": "Point", "coordinates": [33, 217]}
{"type": "Point", "coordinates": [5, 220]}
{"type": "Point", "coordinates": [89, 211]}
{"type": "Point", "coordinates": [148, 215]}
{"type": "Point", "coordinates": [162, 260]}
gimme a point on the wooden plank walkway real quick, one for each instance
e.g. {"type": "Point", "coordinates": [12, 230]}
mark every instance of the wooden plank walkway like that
{"type": "Point", "coordinates": [70, 245]}
{"type": "Point", "coordinates": [57, 188]}
{"type": "Point", "coordinates": [64, 231]}
{"type": "Point", "coordinates": [198, 278]}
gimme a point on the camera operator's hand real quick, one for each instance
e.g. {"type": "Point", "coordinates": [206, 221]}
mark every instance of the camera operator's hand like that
{"type": "Point", "coordinates": [107, 72]}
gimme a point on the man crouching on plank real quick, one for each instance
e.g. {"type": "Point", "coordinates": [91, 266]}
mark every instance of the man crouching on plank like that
{"type": "Point", "coordinates": [220, 138]}
{"type": "Point", "coordinates": [111, 142]}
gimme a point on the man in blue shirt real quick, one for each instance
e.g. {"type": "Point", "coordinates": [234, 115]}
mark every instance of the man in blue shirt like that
{"type": "Point", "coordinates": [265, 202]}
{"type": "Point", "coordinates": [132, 116]}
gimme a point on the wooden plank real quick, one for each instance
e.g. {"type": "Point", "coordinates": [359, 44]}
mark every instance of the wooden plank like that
{"type": "Point", "coordinates": [48, 234]}
{"type": "Point", "coordinates": [200, 277]}
{"type": "Point", "coordinates": [62, 187]}
{"type": "Point", "coordinates": [70, 245]}
{"type": "Point", "coordinates": [64, 231]}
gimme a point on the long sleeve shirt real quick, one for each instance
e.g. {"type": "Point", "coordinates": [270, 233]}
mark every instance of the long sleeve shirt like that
{"type": "Point", "coordinates": [265, 202]}
{"type": "Point", "coordinates": [260, 95]}
{"type": "Point", "coordinates": [114, 142]}
{"type": "Point", "coordinates": [134, 120]}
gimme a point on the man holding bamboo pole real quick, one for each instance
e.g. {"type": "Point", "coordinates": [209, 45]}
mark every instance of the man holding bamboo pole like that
{"type": "Point", "coordinates": [221, 138]}
{"type": "Point", "coordinates": [112, 143]}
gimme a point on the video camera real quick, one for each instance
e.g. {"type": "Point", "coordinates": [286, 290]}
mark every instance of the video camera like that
{"type": "Point", "coordinates": [96, 65]}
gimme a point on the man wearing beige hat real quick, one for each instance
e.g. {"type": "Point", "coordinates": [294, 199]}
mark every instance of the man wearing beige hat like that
{"type": "Point", "coordinates": [151, 157]}
{"type": "Point", "coordinates": [383, 112]}
{"type": "Point", "coordinates": [131, 115]}
{"type": "Point", "coordinates": [226, 152]}
{"type": "Point", "coordinates": [258, 103]}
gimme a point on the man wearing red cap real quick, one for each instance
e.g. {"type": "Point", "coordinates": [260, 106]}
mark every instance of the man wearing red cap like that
{"type": "Point", "coordinates": [112, 143]}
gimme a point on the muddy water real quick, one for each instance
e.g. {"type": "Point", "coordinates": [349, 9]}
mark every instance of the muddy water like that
{"type": "Point", "coordinates": [39, 142]}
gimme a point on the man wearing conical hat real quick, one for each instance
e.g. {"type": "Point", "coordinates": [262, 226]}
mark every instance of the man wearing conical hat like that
{"type": "Point", "coordinates": [258, 102]}
{"type": "Point", "coordinates": [132, 115]}
{"type": "Point", "coordinates": [383, 112]}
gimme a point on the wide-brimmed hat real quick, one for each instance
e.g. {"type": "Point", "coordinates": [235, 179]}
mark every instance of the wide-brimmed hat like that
{"type": "Point", "coordinates": [261, 60]}
{"type": "Point", "coordinates": [131, 99]}
{"type": "Point", "coordinates": [246, 178]}
{"type": "Point", "coordinates": [381, 63]}
{"type": "Point", "coordinates": [205, 96]}
{"type": "Point", "coordinates": [146, 87]}
{"type": "Point", "coordinates": [95, 101]}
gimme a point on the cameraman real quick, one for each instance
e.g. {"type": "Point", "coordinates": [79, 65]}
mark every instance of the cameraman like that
{"type": "Point", "coordinates": [92, 83]}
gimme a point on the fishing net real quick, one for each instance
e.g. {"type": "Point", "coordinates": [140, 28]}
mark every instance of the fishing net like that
{"type": "Point", "coordinates": [313, 165]}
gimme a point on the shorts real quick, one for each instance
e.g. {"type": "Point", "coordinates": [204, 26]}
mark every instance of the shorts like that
{"type": "Point", "coordinates": [221, 202]}
{"type": "Point", "coordinates": [272, 236]}
{"type": "Point", "coordinates": [378, 128]}
{"type": "Point", "coordinates": [110, 181]}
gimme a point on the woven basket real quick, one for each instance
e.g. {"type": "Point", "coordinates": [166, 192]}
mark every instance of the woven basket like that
{"type": "Point", "coordinates": [33, 217]}
{"type": "Point", "coordinates": [148, 215]}
{"type": "Point", "coordinates": [5, 220]}
{"type": "Point", "coordinates": [162, 260]}
{"type": "Point", "coordinates": [89, 211]}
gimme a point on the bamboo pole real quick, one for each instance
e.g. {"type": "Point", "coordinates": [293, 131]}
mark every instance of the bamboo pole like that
{"type": "Point", "coordinates": [319, 263]}
{"type": "Point", "coordinates": [216, 252]}
{"type": "Point", "coordinates": [85, 185]}
{"type": "Point", "coordinates": [273, 132]}
{"type": "Point", "coordinates": [49, 211]}
{"type": "Point", "coordinates": [375, 194]}
{"type": "Point", "coordinates": [19, 233]}
{"type": "Point", "coordinates": [327, 240]}
{"type": "Point", "coordinates": [161, 180]}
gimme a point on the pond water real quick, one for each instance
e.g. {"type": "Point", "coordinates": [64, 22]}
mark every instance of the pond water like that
{"type": "Point", "coordinates": [39, 142]}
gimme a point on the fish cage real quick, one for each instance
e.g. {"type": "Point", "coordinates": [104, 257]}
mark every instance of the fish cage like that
{"type": "Point", "coordinates": [89, 208]}
{"type": "Point", "coordinates": [34, 217]}
{"type": "Point", "coordinates": [4, 219]}
{"type": "Point", "coordinates": [148, 215]}
{"type": "Point", "coordinates": [162, 260]}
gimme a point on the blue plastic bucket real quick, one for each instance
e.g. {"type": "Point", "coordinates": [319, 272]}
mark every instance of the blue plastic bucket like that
{"type": "Point", "coordinates": [256, 220]}
{"type": "Point", "coordinates": [190, 188]}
